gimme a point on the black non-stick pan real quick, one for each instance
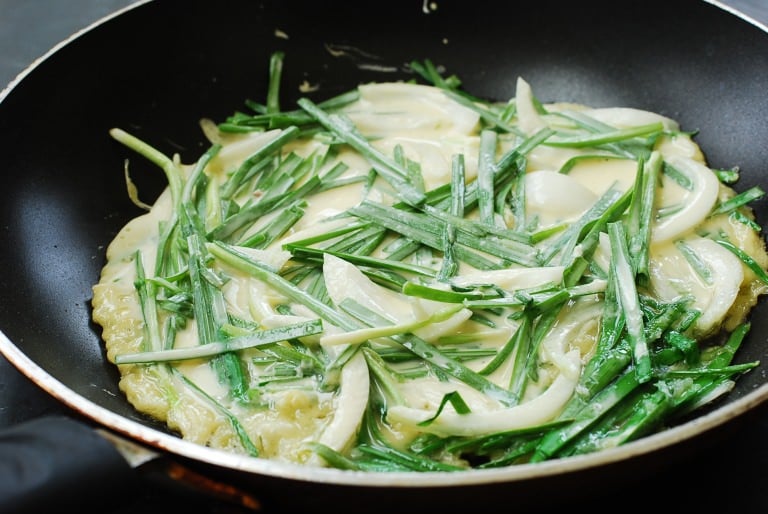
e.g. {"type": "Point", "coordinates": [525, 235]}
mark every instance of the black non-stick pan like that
{"type": "Point", "coordinates": [159, 67]}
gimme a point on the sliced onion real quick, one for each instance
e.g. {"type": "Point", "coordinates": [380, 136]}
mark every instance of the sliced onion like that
{"type": "Point", "coordinates": [400, 108]}
{"type": "Point", "coordinates": [512, 279]}
{"type": "Point", "coordinates": [625, 117]}
{"type": "Point", "coordinates": [673, 277]}
{"type": "Point", "coordinates": [555, 197]}
{"type": "Point", "coordinates": [528, 118]}
{"type": "Point", "coordinates": [539, 410]}
{"type": "Point", "coordinates": [695, 205]}
{"type": "Point", "coordinates": [344, 280]}
{"type": "Point", "coordinates": [351, 402]}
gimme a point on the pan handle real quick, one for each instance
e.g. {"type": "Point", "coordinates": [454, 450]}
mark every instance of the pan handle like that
{"type": "Point", "coordinates": [58, 463]}
{"type": "Point", "coordinates": [55, 461]}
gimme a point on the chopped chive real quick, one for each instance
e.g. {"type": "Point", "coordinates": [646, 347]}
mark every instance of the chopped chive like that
{"type": "Point", "coordinates": [605, 137]}
{"type": "Point", "coordinates": [628, 300]}
{"type": "Point", "coordinates": [275, 76]}
{"type": "Point", "coordinates": [747, 259]}
{"type": "Point", "coordinates": [741, 199]}
{"type": "Point", "coordinates": [485, 170]}
{"type": "Point", "coordinates": [699, 266]}
{"type": "Point", "coordinates": [641, 212]}
{"type": "Point", "coordinates": [387, 168]}
{"type": "Point", "coordinates": [256, 339]}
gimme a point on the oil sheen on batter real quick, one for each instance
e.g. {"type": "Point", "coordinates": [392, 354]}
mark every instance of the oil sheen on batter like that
{"type": "Point", "coordinates": [400, 367]}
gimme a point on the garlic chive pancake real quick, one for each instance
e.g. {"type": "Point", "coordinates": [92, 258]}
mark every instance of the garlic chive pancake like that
{"type": "Point", "coordinates": [407, 277]}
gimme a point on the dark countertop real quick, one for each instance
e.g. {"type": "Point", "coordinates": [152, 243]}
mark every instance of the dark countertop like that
{"type": "Point", "coordinates": [731, 473]}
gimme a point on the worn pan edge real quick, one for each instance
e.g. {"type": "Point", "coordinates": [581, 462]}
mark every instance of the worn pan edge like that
{"type": "Point", "coordinates": [177, 446]}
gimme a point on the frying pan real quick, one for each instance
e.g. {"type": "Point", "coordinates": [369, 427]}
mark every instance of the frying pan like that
{"type": "Point", "coordinates": [160, 66]}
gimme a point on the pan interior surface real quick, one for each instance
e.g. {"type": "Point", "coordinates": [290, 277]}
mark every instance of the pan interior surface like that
{"type": "Point", "coordinates": [65, 199]}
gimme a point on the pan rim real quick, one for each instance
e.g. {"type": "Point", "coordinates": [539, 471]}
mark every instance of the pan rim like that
{"type": "Point", "coordinates": [739, 14]}
{"type": "Point", "coordinates": [10, 86]}
{"type": "Point", "coordinates": [175, 445]}
{"type": "Point", "coordinates": [414, 479]}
